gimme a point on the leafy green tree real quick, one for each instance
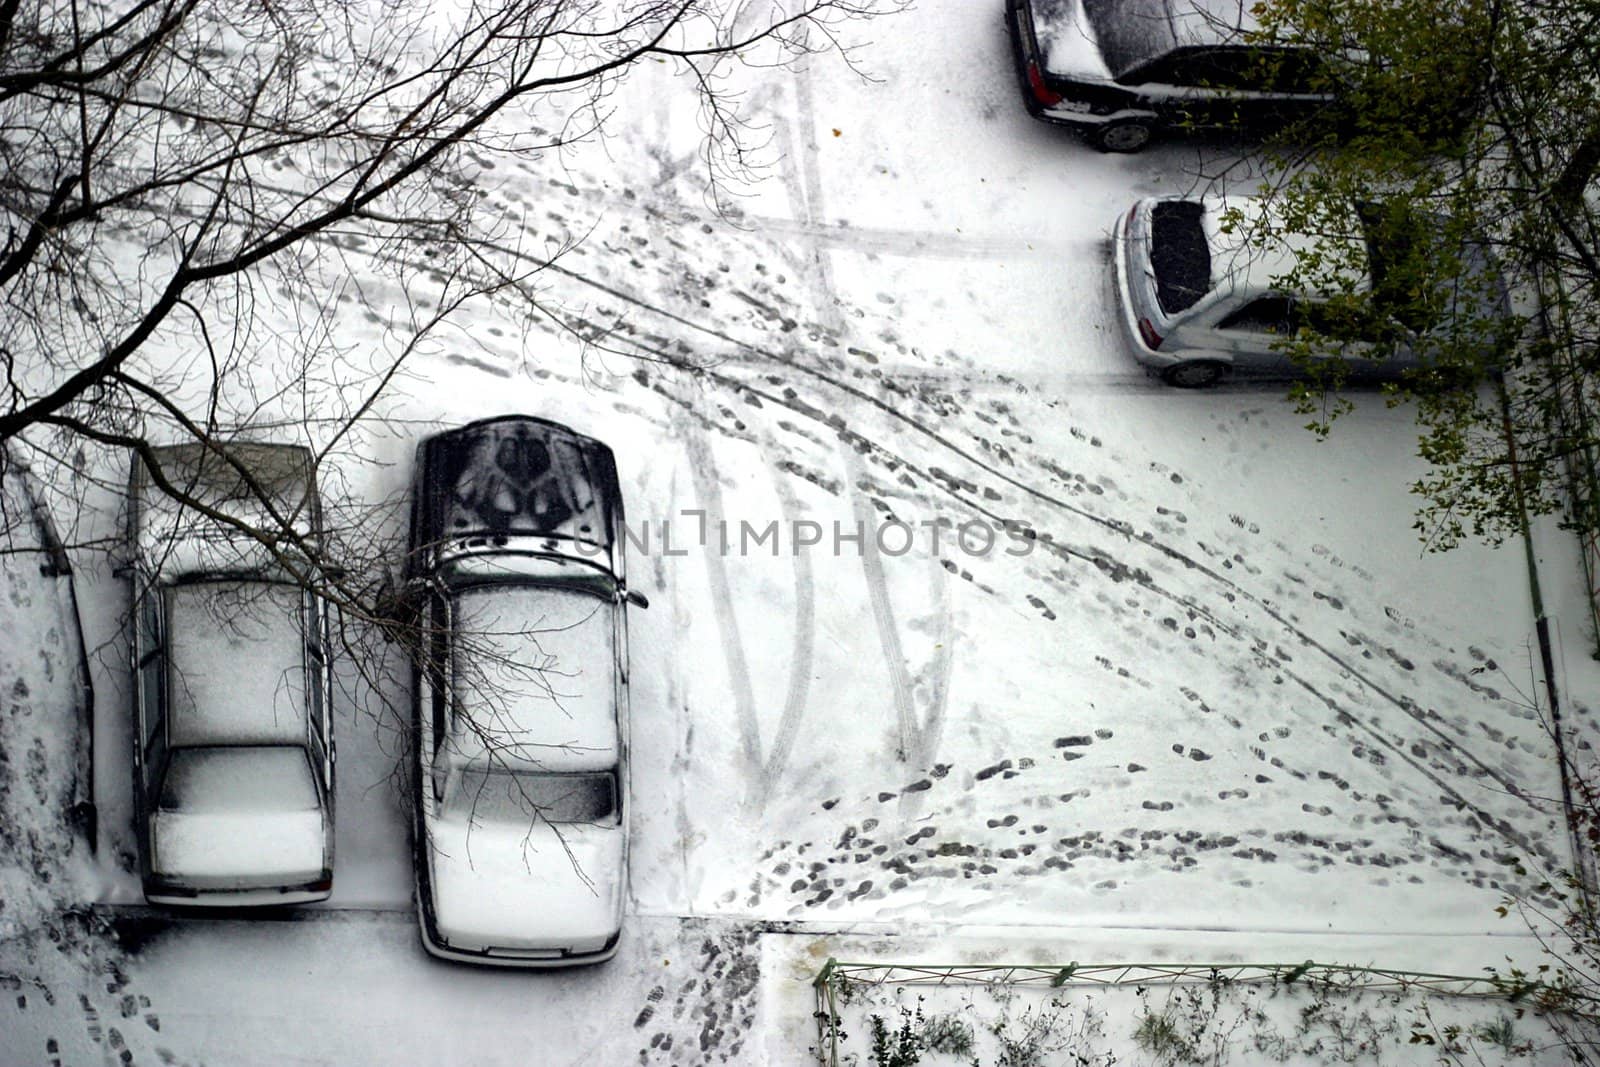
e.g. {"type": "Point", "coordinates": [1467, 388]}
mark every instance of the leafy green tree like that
{"type": "Point", "coordinates": [1463, 149]}
{"type": "Point", "coordinates": [1463, 154]}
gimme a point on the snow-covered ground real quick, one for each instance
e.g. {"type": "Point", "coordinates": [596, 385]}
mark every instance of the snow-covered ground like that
{"type": "Point", "coordinates": [1222, 706]}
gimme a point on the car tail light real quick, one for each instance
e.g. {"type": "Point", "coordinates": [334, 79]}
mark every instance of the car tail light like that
{"type": "Point", "coordinates": [1148, 332]}
{"type": "Point", "coordinates": [1041, 92]}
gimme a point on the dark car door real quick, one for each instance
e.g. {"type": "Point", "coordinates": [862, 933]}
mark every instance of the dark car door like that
{"type": "Point", "coordinates": [1233, 88]}
{"type": "Point", "coordinates": [150, 680]}
{"type": "Point", "coordinates": [319, 728]}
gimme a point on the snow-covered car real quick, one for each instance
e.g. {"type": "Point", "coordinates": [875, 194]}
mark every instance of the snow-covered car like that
{"type": "Point", "coordinates": [233, 747]}
{"type": "Point", "coordinates": [516, 570]}
{"type": "Point", "coordinates": [1202, 293]}
{"type": "Point", "coordinates": [1121, 71]}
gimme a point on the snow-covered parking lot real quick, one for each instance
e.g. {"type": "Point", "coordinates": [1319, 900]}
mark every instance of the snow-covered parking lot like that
{"type": "Point", "coordinates": [1217, 704]}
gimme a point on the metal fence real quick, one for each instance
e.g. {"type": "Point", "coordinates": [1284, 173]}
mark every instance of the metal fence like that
{"type": "Point", "coordinates": [835, 976]}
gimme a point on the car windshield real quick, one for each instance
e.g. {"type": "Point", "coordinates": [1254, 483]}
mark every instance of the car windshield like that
{"type": "Point", "coordinates": [1405, 248]}
{"type": "Point", "coordinates": [1133, 32]}
{"type": "Point", "coordinates": [238, 779]}
{"type": "Point", "coordinates": [494, 795]}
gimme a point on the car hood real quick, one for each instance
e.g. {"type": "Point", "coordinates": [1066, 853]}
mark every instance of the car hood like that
{"type": "Point", "coordinates": [173, 540]}
{"type": "Point", "coordinates": [516, 887]}
{"type": "Point", "coordinates": [518, 477]}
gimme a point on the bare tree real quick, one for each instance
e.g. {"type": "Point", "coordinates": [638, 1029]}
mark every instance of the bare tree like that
{"type": "Point", "coordinates": [170, 167]}
{"type": "Point", "coordinates": [161, 161]}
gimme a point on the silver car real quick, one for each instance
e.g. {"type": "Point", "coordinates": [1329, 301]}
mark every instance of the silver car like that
{"type": "Point", "coordinates": [521, 689]}
{"type": "Point", "coordinates": [1202, 295]}
{"type": "Point", "coordinates": [233, 747]}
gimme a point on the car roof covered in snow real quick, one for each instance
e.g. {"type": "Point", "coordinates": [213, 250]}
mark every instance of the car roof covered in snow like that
{"type": "Point", "coordinates": [1255, 250]}
{"type": "Point", "coordinates": [534, 679]}
{"type": "Point", "coordinates": [520, 477]}
{"type": "Point", "coordinates": [1133, 32]}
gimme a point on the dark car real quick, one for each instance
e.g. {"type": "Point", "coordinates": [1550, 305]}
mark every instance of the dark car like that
{"type": "Point", "coordinates": [516, 571]}
{"type": "Point", "coordinates": [233, 748]}
{"type": "Point", "coordinates": [1122, 71]}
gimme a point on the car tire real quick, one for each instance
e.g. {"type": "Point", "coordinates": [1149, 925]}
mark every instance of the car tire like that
{"type": "Point", "coordinates": [1122, 135]}
{"type": "Point", "coordinates": [1195, 374]}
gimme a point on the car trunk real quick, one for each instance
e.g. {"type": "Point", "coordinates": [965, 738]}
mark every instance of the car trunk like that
{"type": "Point", "coordinates": [525, 885]}
{"type": "Point", "coordinates": [239, 818]}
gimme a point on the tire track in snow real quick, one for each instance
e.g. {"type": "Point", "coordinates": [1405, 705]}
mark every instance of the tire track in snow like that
{"type": "Point", "coordinates": [919, 742]}
{"type": "Point", "coordinates": [763, 769]}
{"type": "Point", "coordinates": [917, 244]}
{"type": "Point", "coordinates": [805, 193]}
{"type": "Point", "coordinates": [794, 705]}
{"type": "Point", "coordinates": [907, 243]}
{"type": "Point", "coordinates": [708, 491]}
{"type": "Point", "coordinates": [1102, 563]}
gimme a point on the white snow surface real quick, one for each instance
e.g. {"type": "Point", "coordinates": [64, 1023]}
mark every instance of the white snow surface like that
{"type": "Point", "coordinates": [1226, 708]}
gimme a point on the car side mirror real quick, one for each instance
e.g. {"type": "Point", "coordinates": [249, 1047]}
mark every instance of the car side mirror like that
{"type": "Point", "coordinates": [636, 598]}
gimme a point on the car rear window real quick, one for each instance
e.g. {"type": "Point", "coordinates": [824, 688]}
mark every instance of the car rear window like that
{"type": "Point", "coordinates": [503, 796]}
{"type": "Point", "coordinates": [1179, 255]}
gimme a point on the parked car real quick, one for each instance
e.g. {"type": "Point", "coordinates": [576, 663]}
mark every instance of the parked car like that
{"type": "Point", "coordinates": [1199, 298]}
{"type": "Point", "coordinates": [1122, 71]}
{"type": "Point", "coordinates": [233, 747]}
{"type": "Point", "coordinates": [517, 571]}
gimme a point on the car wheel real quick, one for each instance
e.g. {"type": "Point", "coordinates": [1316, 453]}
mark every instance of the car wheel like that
{"type": "Point", "coordinates": [1195, 375]}
{"type": "Point", "coordinates": [1125, 135]}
